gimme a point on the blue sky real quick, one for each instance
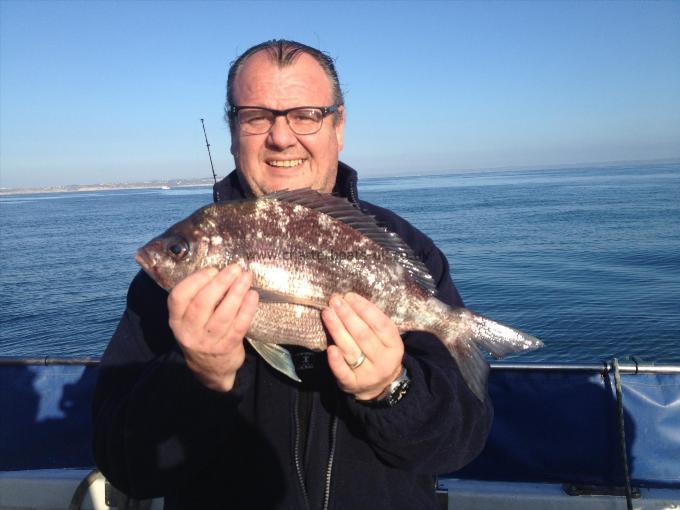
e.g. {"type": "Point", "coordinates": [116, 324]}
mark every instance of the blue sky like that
{"type": "Point", "coordinates": [103, 91]}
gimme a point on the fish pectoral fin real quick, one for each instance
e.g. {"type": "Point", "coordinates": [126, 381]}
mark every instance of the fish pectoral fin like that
{"type": "Point", "coordinates": [278, 357]}
{"type": "Point", "coordinates": [272, 296]}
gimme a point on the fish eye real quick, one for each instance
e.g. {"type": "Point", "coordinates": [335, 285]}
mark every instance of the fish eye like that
{"type": "Point", "coordinates": [178, 248]}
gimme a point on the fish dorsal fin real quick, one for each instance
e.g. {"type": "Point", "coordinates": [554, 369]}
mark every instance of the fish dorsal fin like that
{"type": "Point", "coordinates": [343, 210]}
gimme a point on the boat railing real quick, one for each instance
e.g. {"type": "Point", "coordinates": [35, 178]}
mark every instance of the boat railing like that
{"type": "Point", "coordinates": [604, 368]}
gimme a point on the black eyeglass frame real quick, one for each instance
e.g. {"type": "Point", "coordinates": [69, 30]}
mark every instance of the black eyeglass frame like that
{"type": "Point", "coordinates": [325, 111]}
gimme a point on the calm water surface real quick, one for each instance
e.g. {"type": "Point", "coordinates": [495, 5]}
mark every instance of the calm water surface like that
{"type": "Point", "coordinates": [587, 259]}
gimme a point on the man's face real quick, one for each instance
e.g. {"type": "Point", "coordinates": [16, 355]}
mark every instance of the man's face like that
{"type": "Point", "coordinates": [281, 159]}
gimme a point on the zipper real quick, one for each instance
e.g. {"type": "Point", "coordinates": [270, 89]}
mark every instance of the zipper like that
{"type": "Point", "coordinates": [298, 460]}
{"type": "Point", "coordinates": [329, 468]}
{"type": "Point", "coordinates": [353, 192]}
{"type": "Point", "coordinates": [296, 448]}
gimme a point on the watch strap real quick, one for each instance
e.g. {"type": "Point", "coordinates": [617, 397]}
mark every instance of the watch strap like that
{"type": "Point", "coordinates": [393, 393]}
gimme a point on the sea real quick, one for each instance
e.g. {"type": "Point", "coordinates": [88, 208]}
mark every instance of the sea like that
{"type": "Point", "coordinates": [587, 259]}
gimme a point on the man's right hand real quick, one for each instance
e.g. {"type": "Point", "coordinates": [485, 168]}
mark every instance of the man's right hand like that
{"type": "Point", "coordinates": [210, 312]}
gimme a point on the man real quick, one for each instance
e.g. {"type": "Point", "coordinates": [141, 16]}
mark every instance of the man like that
{"type": "Point", "coordinates": [183, 409]}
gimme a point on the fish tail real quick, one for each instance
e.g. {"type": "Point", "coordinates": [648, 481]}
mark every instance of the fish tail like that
{"type": "Point", "coordinates": [464, 332]}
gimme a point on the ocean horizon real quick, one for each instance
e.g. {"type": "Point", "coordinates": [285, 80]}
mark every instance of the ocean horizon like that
{"type": "Point", "coordinates": [208, 181]}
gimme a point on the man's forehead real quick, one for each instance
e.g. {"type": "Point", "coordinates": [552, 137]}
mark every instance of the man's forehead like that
{"type": "Point", "coordinates": [262, 75]}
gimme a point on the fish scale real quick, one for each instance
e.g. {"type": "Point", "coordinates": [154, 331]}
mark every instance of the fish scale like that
{"type": "Point", "coordinates": [302, 247]}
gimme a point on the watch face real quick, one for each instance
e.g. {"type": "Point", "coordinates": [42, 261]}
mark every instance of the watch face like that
{"type": "Point", "coordinates": [398, 392]}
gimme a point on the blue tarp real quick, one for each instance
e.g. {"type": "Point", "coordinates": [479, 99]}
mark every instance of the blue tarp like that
{"type": "Point", "coordinates": [562, 426]}
{"type": "Point", "coordinates": [45, 416]}
{"type": "Point", "coordinates": [549, 426]}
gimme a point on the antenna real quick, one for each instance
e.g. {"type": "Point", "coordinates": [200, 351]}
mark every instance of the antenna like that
{"type": "Point", "coordinates": [208, 146]}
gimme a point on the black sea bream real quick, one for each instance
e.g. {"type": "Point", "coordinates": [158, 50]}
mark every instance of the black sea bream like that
{"type": "Point", "coordinates": [302, 247]}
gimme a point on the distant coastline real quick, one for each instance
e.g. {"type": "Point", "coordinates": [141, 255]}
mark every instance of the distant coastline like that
{"type": "Point", "coordinates": [79, 188]}
{"type": "Point", "coordinates": [206, 181]}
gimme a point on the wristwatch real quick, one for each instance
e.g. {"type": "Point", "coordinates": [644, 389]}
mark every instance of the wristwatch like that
{"type": "Point", "coordinates": [391, 396]}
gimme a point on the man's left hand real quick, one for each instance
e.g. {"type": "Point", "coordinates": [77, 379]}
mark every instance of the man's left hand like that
{"type": "Point", "coordinates": [360, 327]}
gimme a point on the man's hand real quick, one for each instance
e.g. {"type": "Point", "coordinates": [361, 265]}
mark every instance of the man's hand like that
{"type": "Point", "coordinates": [210, 312]}
{"type": "Point", "coordinates": [358, 326]}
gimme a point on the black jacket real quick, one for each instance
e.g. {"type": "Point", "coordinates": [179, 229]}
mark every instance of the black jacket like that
{"type": "Point", "coordinates": [272, 443]}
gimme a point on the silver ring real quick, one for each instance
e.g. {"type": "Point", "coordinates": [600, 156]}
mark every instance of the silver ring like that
{"type": "Point", "coordinates": [358, 362]}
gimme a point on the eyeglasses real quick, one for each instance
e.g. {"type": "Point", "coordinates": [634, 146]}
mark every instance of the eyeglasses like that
{"type": "Point", "coordinates": [303, 120]}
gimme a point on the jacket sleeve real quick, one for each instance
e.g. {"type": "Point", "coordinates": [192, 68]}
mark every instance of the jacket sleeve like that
{"type": "Point", "coordinates": [439, 426]}
{"type": "Point", "coordinates": [154, 423]}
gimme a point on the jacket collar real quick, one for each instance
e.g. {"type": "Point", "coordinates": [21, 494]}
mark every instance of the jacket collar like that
{"type": "Point", "coordinates": [231, 188]}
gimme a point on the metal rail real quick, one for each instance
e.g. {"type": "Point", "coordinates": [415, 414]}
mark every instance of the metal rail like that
{"type": "Point", "coordinates": [49, 360]}
{"type": "Point", "coordinates": [600, 368]}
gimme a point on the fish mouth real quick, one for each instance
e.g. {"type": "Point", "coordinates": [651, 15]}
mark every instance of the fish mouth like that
{"type": "Point", "coordinates": [149, 266]}
{"type": "Point", "coordinates": [144, 260]}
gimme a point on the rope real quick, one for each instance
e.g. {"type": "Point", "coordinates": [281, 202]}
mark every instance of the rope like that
{"type": "Point", "coordinates": [622, 434]}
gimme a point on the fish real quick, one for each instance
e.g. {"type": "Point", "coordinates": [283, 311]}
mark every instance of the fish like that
{"type": "Point", "coordinates": [302, 247]}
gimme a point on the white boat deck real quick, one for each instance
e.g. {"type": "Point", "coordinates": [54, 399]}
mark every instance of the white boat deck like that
{"type": "Point", "coordinates": [53, 489]}
{"type": "Point", "coordinates": [478, 495]}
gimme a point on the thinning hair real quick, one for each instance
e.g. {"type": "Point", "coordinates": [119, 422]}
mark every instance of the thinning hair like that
{"type": "Point", "coordinates": [284, 53]}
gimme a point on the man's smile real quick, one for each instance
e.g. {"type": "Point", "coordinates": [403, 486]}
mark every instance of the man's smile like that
{"type": "Point", "coordinates": [285, 163]}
